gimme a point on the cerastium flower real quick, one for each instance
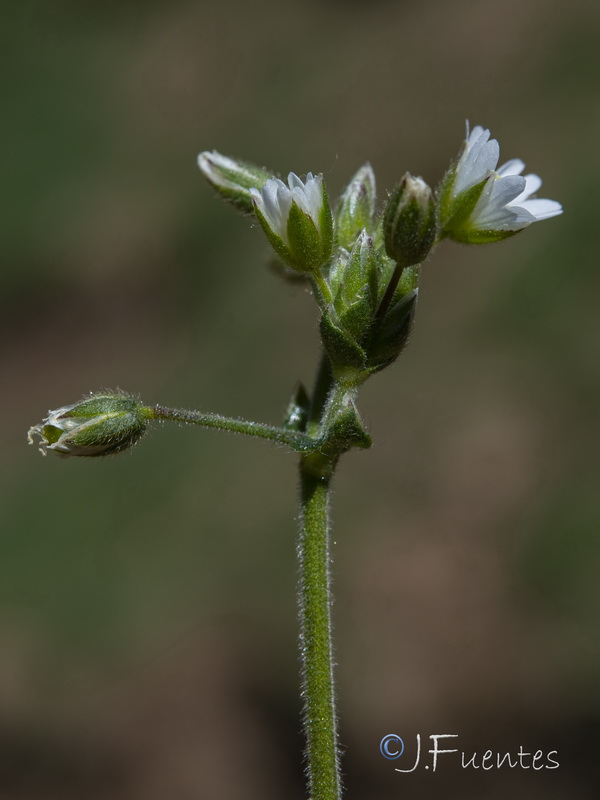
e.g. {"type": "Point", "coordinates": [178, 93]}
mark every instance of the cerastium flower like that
{"type": "Point", "coordinates": [364, 268]}
{"type": "Point", "coordinates": [297, 220]}
{"type": "Point", "coordinates": [480, 203]}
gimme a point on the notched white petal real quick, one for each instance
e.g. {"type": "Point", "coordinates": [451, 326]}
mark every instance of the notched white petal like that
{"type": "Point", "coordinates": [542, 209]}
{"type": "Point", "coordinates": [506, 202]}
{"type": "Point", "coordinates": [513, 167]}
{"type": "Point", "coordinates": [532, 184]}
{"type": "Point", "coordinates": [505, 190]}
{"type": "Point", "coordinates": [479, 157]}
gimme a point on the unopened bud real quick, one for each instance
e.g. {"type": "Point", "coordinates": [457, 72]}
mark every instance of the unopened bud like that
{"type": "Point", "coordinates": [233, 179]}
{"type": "Point", "coordinates": [409, 224]}
{"type": "Point", "coordinates": [356, 207]}
{"type": "Point", "coordinates": [98, 425]}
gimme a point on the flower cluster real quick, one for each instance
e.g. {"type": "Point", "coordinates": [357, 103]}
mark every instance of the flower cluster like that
{"type": "Point", "coordinates": [365, 266]}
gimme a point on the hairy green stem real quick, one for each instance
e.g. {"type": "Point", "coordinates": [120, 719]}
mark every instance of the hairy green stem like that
{"type": "Point", "coordinates": [298, 441]}
{"type": "Point", "coordinates": [322, 288]}
{"type": "Point", "coordinates": [321, 391]}
{"type": "Point", "coordinates": [320, 722]}
{"type": "Point", "coordinates": [320, 453]}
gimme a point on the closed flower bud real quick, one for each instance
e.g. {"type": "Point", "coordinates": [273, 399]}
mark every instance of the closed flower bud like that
{"type": "Point", "coordinates": [356, 208]}
{"type": "Point", "coordinates": [356, 298]}
{"type": "Point", "coordinates": [297, 220]}
{"type": "Point", "coordinates": [409, 223]}
{"type": "Point", "coordinates": [233, 179]}
{"type": "Point", "coordinates": [98, 425]}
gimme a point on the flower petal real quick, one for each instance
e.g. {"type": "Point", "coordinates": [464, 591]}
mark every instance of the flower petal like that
{"type": "Point", "coordinates": [542, 209]}
{"type": "Point", "coordinates": [533, 183]}
{"type": "Point", "coordinates": [478, 159]}
{"type": "Point", "coordinates": [491, 210]}
{"type": "Point", "coordinates": [513, 167]}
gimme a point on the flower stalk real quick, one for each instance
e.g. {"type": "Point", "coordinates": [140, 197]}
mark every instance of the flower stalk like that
{"type": "Point", "coordinates": [294, 439]}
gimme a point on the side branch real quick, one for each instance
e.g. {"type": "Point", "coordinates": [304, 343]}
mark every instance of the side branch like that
{"type": "Point", "coordinates": [294, 439]}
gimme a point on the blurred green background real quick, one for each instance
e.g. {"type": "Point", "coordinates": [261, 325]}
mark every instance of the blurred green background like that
{"type": "Point", "coordinates": [147, 615]}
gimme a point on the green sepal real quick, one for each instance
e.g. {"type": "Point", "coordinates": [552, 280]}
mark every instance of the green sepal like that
{"type": "Point", "coordinates": [98, 404]}
{"type": "Point", "coordinates": [110, 434]}
{"type": "Point", "coordinates": [360, 276]}
{"type": "Point", "coordinates": [409, 280]}
{"type": "Point", "coordinates": [305, 252]}
{"type": "Point", "coordinates": [233, 178]}
{"type": "Point", "coordinates": [357, 318]}
{"type": "Point", "coordinates": [296, 414]}
{"type": "Point", "coordinates": [476, 236]}
{"type": "Point", "coordinates": [276, 242]}
{"type": "Point", "coordinates": [356, 207]}
{"type": "Point", "coordinates": [444, 195]}
{"type": "Point", "coordinates": [337, 270]}
{"type": "Point", "coordinates": [386, 269]}
{"type": "Point", "coordinates": [356, 297]}
{"type": "Point", "coordinates": [390, 338]}
{"type": "Point", "coordinates": [456, 226]}
{"type": "Point", "coordinates": [325, 227]}
{"type": "Point", "coordinates": [342, 349]}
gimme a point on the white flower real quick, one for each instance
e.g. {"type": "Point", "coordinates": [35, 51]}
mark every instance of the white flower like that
{"type": "Point", "coordinates": [504, 204]}
{"type": "Point", "coordinates": [297, 220]}
{"type": "Point", "coordinates": [275, 201]}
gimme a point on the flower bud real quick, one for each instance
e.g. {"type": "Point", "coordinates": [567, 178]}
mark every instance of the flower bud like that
{"type": "Point", "coordinates": [95, 426]}
{"type": "Point", "coordinates": [232, 179]}
{"type": "Point", "coordinates": [356, 207]}
{"type": "Point", "coordinates": [355, 300]}
{"type": "Point", "coordinates": [409, 224]}
{"type": "Point", "coordinates": [297, 220]}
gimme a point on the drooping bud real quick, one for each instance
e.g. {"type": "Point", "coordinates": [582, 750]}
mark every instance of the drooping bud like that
{"type": "Point", "coordinates": [409, 223]}
{"type": "Point", "coordinates": [356, 207]}
{"type": "Point", "coordinates": [233, 179]}
{"type": "Point", "coordinates": [98, 425]}
{"type": "Point", "coordinates": [297, 220]}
